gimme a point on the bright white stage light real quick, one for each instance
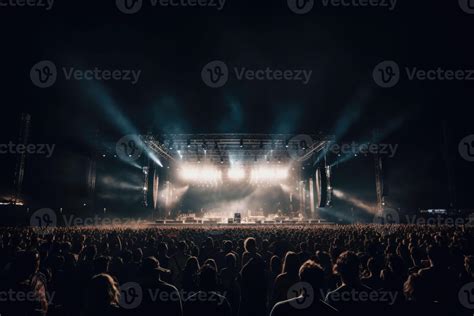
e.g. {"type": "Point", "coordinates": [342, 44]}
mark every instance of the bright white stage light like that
{"type": "Point", "coordinates": [269, 174]}
{"type": "Point", "coordinates": [200, 174]}
{"type": "Point", "coordinates": [236, 173]}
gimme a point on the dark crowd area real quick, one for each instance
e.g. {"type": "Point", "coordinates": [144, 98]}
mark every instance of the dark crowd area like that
{"type": "Point", "coordinates": [237, 271]}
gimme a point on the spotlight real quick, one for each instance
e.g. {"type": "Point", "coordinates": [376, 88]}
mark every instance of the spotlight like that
{"type": "Point", "coordinates": [268, 174]}
{"type": "Point", "coordinates": [200, 174]}
{"type": "Point", "coordinates": [286, 143]}
{"type": "Point", "coordinates": [236, 173]}
{"type": "Point", "coordinates": [189, 143]}
{"type": "Point", "coordinates": [241, 143]}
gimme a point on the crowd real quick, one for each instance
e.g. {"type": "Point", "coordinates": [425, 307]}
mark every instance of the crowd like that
{"type": "Point", "coordinates": [237, 271]}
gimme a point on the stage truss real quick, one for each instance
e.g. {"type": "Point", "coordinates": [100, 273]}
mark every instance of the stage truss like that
{"type": "Point", "coordinates": [244, 148]}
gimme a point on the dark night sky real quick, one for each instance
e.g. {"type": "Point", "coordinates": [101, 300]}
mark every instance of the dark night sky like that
{"type": "Point", "coordinates": [171, 45]}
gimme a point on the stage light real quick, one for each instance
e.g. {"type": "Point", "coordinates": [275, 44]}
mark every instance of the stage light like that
{"type": "Point", "coordinates": [200, 174]}
{"type": "Point", "coordinates": [236, 173]}
{"type": "Point", "coordinates": [269, 174]}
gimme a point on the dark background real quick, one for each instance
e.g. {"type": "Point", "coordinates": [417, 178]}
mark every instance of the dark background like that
{"type": "Point", "coordinates": [171, 45]}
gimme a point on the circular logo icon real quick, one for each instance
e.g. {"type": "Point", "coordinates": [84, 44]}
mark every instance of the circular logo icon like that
{"type": "Point", "coordinates": [301, 6]}
{"type": "Point", "coordinates": [298, 146]}
{"type": "Point", "coordinates": [302, 294]}
{"type": "Point", "coordinates": [131, 295]}
{"type": "Point", "coordinates": [387, 216]}
{"type": "Point", "coordinates": [466, 295]}
{"type": "Point", "coordinates": [129, 147]}
{"type": "Point", "coordinates": [129, 6]}
{"type": "Point", "coordinates": [215, 74]}
{"type": "Point", "coordinates": [466, 148]}
{"type": "Point", "coordinates": [44, 218]}
{"type": "Point", "coordinates": [386, 74]}
{"type": "Point", "coordinates": [470, 220]}
{"type": "Point", "coordinates": [44, 74]}
{"type": "Point", "coordinates": [467, 6]}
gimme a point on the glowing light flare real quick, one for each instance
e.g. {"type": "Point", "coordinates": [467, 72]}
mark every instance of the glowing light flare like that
{"type": "Point", "coordinates": [368, 207]}
{"type": "Point", "coordinates": [200, 174]}
{"type": "Point", "coordinates": [236, 173]}
{"type": "Point", "coordinates": [269, 174]}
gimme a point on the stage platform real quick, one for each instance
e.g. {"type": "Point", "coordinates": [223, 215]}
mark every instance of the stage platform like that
{"type": "Point", "coordinates": [199, 223]}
